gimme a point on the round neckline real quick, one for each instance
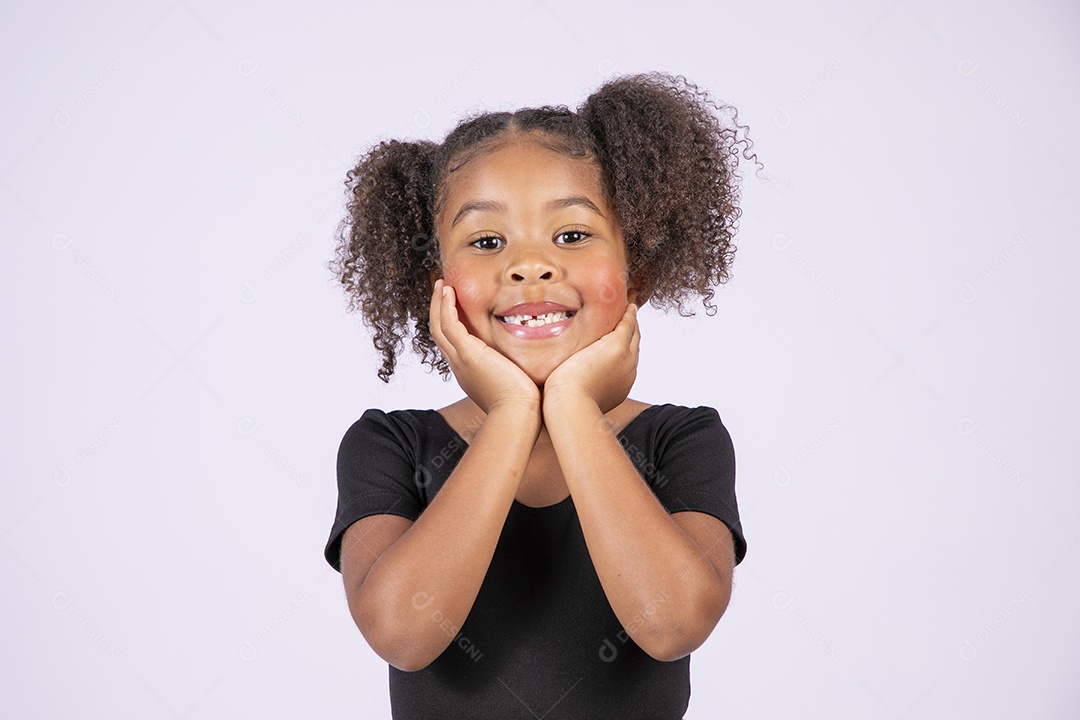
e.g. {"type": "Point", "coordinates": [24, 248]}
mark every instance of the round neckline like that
{"type": "Point", "coordinates": [465, 443]}
{"type": "Point", "coordinates": [564, 501]}
{"type": "Point", "coordinates": [516, 502]}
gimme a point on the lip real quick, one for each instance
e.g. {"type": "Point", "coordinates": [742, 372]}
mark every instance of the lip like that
{"type": "Point", "coordinates": [524, 332]}
{"type": "Point", "coordinates": [534, 308]}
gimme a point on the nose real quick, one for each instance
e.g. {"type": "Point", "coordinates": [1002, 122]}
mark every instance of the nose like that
{"type": "Point", "coordinates": [531, 265]}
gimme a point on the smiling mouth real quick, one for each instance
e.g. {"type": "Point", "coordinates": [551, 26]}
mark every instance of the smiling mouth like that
{"type": "Point", "coordinates": [535, 320]}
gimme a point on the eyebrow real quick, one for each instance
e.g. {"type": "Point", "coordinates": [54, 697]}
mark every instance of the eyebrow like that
{"type": "Point", "coordinates": [495, 206]}
{"type": "Point", "coordinates": [478, 206]}
{"type": "Point", "coordinates": [573, 201]}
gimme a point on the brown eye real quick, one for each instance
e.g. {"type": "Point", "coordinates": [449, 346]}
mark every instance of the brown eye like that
{"type": "Point", "coordinates": [570, 237]}
{"type": "Point", "coordinates": [488, 243]}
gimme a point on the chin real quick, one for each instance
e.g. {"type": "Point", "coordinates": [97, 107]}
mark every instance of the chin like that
{"type": "Point", "coordinates": [538, 369]}
{"type": "Point", "coordinates": [539, 375]}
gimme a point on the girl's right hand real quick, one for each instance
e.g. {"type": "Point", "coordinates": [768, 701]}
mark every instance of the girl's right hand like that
{"type": "Point", "coordinates": [489, 378]}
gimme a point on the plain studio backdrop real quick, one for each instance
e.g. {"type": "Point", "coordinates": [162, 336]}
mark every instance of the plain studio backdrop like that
{"type": "Point", "coordinates": [895, 356]}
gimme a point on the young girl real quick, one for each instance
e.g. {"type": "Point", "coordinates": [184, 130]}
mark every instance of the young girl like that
{"type": "Point", "coordinates": [546, 547]}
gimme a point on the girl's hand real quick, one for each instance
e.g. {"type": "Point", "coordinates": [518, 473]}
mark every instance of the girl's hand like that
{"type": "Point", "coordinates": [487, 377]}
{"type": "Point", "coordinates": [604, 371]}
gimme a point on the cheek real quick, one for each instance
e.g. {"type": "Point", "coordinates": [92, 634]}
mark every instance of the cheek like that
{"type": "Point", "coordinates": [472, 302]}
{"type": "Point", "coordinates": [468, 293]}
{"type": "Point", "coordinates": [608, 283]}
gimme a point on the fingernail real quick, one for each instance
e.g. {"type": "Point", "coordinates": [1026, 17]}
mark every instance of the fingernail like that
{"type": "Point", "coordinates": [445, 291]}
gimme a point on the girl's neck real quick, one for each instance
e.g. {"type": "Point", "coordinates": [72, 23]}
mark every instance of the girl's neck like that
{"type": "Point", "coordinates": [466, 417]}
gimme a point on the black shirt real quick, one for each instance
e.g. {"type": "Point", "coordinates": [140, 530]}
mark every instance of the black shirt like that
{"type": "Point", "coordinates": [541, 640]}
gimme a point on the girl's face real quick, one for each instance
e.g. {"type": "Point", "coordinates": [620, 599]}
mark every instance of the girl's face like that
{"type": "Point", "coordinates": [534, 253]}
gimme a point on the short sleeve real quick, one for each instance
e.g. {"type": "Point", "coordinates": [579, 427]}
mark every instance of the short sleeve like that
{"type": "Point", "coordinates": [695, 470]}
{"type": "Point", "coordinates": [375, 476]}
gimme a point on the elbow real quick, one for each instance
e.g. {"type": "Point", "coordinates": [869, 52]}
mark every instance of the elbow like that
{"type": "Point", "coordinates": [393, 643]}
{"type": "Point", "coordinates": [407, 662]}
{"type": "Point", "coordinates": [673, 644]}
{"type": "Point", "coordinates": [668, 653]}
{"type": "Point", "coordinates": [399, 652]}
{"type": "Point", "coordinates": [390, 635]}
{"type": "Point", "coordinates": [678, 636]}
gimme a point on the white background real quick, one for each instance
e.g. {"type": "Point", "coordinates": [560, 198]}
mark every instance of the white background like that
{"type": "Point", "coordinates": [895, 357]}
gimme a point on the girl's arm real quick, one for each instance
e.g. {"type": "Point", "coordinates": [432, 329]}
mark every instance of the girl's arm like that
{"type": "Point", "coordinates": [668, 580]}
{"type": "Point", "coordinates": [410, 586]}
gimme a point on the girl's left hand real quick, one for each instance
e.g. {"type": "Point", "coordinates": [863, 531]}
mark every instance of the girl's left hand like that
{"type": "Point", "coordinates": [604, 371]}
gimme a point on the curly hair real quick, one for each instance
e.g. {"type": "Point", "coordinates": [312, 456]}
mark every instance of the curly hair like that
{"type": "Point", "coordinates": [669, 161]}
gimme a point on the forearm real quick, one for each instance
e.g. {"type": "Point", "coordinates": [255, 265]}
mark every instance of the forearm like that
{"type": "Point", "coordinates": [422, 587]}
{"type": "Point", "coordinates": [660, 584]}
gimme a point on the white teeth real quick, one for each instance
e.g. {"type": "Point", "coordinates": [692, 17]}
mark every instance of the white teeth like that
{"type": "Point", "coordinates": [535, 320]}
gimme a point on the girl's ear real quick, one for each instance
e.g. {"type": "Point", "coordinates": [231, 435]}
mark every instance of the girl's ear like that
{"type": "Point", "coordinates": [433, 275]}
{"type": "Point", "coordinates": [637, 292]}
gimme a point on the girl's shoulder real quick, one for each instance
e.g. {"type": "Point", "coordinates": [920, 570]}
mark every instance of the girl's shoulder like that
{"type": "Point", "coordinates": [666, 430]}
{"type": "Point", "coordinates": [667, 414]}
{"type": "Point", "coordinates": [460, 421]}
{"type": "Point", "coordinates": [408, 427]}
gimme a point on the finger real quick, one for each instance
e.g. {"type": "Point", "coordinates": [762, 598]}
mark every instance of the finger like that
{"type": "Point", "coordinates": [433, 308]}
{"type": "Point", "coordinates": [634, 341]}
{"type": "Point", "coordinates": [637, 325]}
{"type": "Point", "coordinates": [455, 331]}
{"type": "Point", "coordinates": [435, 321]}
{"type": "Point", "coordinates": [628, 323]}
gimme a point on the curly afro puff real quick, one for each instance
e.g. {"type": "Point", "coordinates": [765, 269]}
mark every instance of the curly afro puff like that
{"type": "Point", "coordinates": [668, 158]}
